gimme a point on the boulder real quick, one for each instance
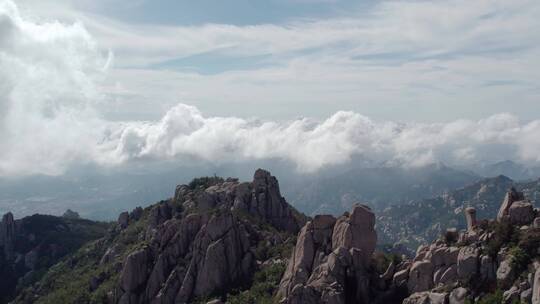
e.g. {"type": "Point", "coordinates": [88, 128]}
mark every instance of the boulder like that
{"type": "Point", "coordinates": [7, 235]}
{"type": "Point", "coordinates": [521, 213]}
{"type": "Point", "coordinates": [470, 217]}
{"type": "Point", "coordinates": [511, 196]}
{"type": "Point", "coordinates": [70, 214]}
{"type": "Point", "coordinates": [536, 287]}
{"type": "Point", "coordinates": [467, 262]}
{"type": "Point", "coordinates": [356, 231]}
{"type": "Point", "coordinates": [427, 298]}
{"type": "Point", "coordinates": [135, 270]}
{"type": "Point", "coordinates": [505, 273]}
{"type": "Point", "coordinates": [329, 263]}
{"type": "Point", "coordinates": [526, 296]}
{"type": "Point", "coordinates": [536, 223]}
{"type": "Point", "coordinates": [487, 268]}
{"type": "Point", "coordinates": [458, 296]}
{"type": "Point", "coordinates": [420, 276]}
{"type": "Point", "coordinates": [511, 295]}
{"type": "Point", "coordinates": [400, 278]}
{"type": "Point", "coordinates": [123, 220]}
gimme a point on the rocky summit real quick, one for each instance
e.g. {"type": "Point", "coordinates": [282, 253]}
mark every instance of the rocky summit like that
{"type": "Point", "coordinates": [225, 241]}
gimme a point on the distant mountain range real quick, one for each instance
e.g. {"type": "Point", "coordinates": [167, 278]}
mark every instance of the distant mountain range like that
{"type": "Point", "coordinates": [377, 187]}
{"type": "Point", "coordinates": [99, 194]}
{"type": "Point", "coordinates": [422, 221]}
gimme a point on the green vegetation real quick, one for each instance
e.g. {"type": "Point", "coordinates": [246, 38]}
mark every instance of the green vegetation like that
{"type": "Point", "coordinates": [69, 280]}
{"type": "Point", "coordinates": [265, 284]}
{"type": "Point", "coordinates": [492, 298]}
{"type": "Point", "coordinates": [505, 234]}
{"type": "Point", "coordinates": [204, 182]}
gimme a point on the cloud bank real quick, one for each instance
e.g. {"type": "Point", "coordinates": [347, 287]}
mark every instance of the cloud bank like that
{"type": "Point", "coordinates": [51, 75]}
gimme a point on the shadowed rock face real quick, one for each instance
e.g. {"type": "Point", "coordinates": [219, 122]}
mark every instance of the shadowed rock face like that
{"type": "Point", "coordinates": [330, 261]}
{"type": "Point", "coordinates": [7, 235]}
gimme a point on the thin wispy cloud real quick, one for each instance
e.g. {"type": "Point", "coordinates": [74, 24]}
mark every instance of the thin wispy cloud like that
{"type": "Point", "coordinates": [64, 100]}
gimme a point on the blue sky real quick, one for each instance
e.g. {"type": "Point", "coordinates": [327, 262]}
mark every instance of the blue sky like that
{"type": "Point", "coordinates": [397, 60]}
{"type": "Point", "coordinates": [314, 82]}
{"type": "Point", "coordinates": [235, 12]}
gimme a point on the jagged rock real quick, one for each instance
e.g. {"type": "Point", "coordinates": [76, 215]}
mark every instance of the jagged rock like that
{"type": "Point", "coordinates": [521, 213]}
{"type": "Point", "coordinates": [505, 273]}
{"type": "Point", "coordinates": [268, 203]}
{"type": "Point", "coordinates": [487, 268]}
{"type": "Point", "coordinates": [536, 223]}
{"type": "Point", "coordinates": [467, 262]}
{"type": "Point", "coordinates": [70, 214]}
{"type": "Point", "coordinates": [356, 230]}
{"type": "Point", "coordinates": [389, 273]}
{"type": "Point", "coordinates": [470, 217]}
{"type": "Point", "coordinates": [420, 276]}
{"type": "Point", "coordinates": [427, 298]}
{"type": "Point", "coordinates": [448, 276]}
{"type": "Point", "coordinates": [511, 296]}
{"type": "Point", "coordinates": [458, 296]}
{"type": "Point", "coordinates": [109, 255]}
{"type": "Point", "coordinates": [123, 219]}
{"type": "Point", "coordinates": [135, 270]}
{"type": "Point", "coordinates": [536, 287]}
{"type": "Point", "coordinates": [401, 277]}
{"type": "Point", "coordinates": [526, 296]}
{"type": "Point", "coordinates": [159, 214]}
{"type": "Point", "coordinates": [7, 235]}
{"type": "Point", "coordinates": [31, 259]}
{"type": "Point", "coordinates": [136, 214]}
{"type": "Point", "coordinates": [511, 196]}
{"type": "Point", "coordinates": [328, 255]}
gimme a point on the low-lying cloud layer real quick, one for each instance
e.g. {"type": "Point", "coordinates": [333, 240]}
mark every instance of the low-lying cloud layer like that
{"type": "Point", "coordinates": [50, 80]}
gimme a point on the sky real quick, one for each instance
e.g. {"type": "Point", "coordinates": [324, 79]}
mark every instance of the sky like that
{"type": "Point", "coordinates": [314, 82]}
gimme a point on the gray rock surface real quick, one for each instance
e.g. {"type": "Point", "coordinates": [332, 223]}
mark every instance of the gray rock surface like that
{"type": "Point", "coordinates": [328, 254]}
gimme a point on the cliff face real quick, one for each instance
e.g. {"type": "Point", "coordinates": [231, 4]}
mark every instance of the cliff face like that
{"type": "Point", "coordinates": [330, 263]}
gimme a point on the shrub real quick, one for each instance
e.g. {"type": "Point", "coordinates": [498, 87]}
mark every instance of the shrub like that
{"type": "Point", "coordinates": [504, 234]}
{"type": "Point", "coordinates": [204, 182]}
{"type": "Point", "coordinates": [492, 298]}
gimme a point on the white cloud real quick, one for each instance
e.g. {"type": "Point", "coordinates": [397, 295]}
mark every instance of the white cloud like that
{"type": "Point", "coordinates": [53, 80]}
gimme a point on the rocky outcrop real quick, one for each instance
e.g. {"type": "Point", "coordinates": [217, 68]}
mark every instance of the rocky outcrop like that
{"type": "Point", "coordinates": [203, 241]}
{"type": "Point", "coordinates": [331, 259]}
{"type": "Point", "coordinates": [7, 235]}
{"type": "Point", "coordinates": [536, 287]}
{"type": "Point", "coordinates": [511, 196]}
{"type": "Point", "coordinates": [470, 216]}
{"type": "Point", "coordinates": [521, 213]}
{"type": "Point", "coordinates": [123, 220]}
{"type": "Point", "coordinates": [470, 262]}
{"type": "Point", "coordinates": [187, 258]}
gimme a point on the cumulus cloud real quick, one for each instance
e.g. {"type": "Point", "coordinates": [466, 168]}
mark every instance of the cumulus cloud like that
{"type": "Point", "coordinates": [50, 79]}
{"type": "Point", "coordinates": [311, 145]}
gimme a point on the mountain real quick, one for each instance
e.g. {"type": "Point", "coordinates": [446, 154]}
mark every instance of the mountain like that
{"type": "Point", "coordinates": [29, 246]}
{"type": "Point", "coordinates": [377, 186]}
{"type": "Point", "coordinates": [224, 241]}
{"type": "Point", "coordinates": [508, 168]}
{"type": "Point", "coordinates": [101, 193]}
{"type": "Point", "coordinates": [492, 260]}
{"type": "Point", "coordinates": [213, 238]}
{"type": "Point", "coordinates": [422, 221]}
